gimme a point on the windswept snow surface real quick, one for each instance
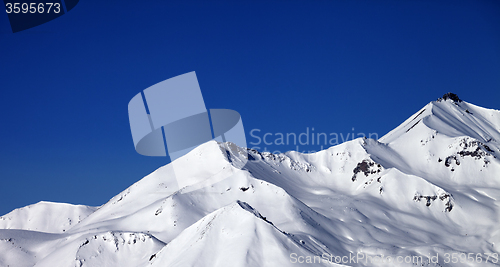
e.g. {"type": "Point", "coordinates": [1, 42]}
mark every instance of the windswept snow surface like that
{"type": "Point", "coordinates": [426, 190]}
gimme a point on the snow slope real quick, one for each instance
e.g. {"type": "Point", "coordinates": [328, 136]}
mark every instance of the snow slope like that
{"type": "Point", "coordinates": [46, 217]}
{"type": "Point", "coordinates": [429, 187]}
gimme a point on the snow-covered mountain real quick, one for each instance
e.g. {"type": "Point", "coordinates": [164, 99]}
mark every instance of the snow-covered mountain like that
{"type": "Point", "coordinates": [422, 195]}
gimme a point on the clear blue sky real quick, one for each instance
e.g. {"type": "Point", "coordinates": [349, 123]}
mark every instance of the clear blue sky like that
{"type": "Point", "coordinates": [284, 66]}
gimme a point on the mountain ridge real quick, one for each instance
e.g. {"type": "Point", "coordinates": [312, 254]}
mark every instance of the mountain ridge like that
{"type": "Point", "coordinates": [428, 187]}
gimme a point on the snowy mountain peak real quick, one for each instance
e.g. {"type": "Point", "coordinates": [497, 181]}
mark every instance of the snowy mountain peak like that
{"type": "Point", "coordinates": [452, 117]}
{"type": "Point", "coordinates": [450, 96]}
